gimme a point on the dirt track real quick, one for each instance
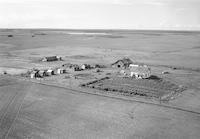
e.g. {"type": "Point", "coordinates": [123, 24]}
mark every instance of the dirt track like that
{"type": "Point", "coordinates": [11, 100]}
{"type": "Point", "coordinates": [50, 112]}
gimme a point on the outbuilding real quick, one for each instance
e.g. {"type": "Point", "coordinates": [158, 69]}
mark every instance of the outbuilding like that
{"type": "Point", "coordinates": [85, 66]}
{"type": "Point", "coordinates": [49, 72]}
{"type": "Point", "coordinates": [59, 71]}
{"type": "Point", "coordinates": [54, 72]}
{"type": "Point", "coordinates": [41, 73]}
{"type": "Point", "coordinates": [33, 74]}
{"type": "Point", "coordinates": [75, 67]}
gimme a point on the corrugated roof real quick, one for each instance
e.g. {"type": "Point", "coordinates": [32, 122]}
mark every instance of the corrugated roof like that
{"type": "Point", "coordinates": [51, 58]}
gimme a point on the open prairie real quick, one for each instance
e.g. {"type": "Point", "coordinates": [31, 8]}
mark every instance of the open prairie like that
{"type": "Point", "coordinates": [56, 107]}
{"type": "Point", "coordinates": [171, 48]}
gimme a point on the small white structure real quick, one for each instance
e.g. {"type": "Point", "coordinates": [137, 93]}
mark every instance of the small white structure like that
{"type": "Point", "coordinates": [32, 75]}
{"type": "Point", "coordinates": [83, 67]}
{"type": "Point", "coordinates": [49, 72]}
{"type": "Point", "coordinates": [139, 71]}
{"type": "Point", "coordinates": [59, 71]}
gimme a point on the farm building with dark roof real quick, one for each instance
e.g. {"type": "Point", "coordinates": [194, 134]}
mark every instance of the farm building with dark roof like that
{"type": "Point", "coordinates": [122, 63]}
{"type": "Point", "coordinates": [51, 58]}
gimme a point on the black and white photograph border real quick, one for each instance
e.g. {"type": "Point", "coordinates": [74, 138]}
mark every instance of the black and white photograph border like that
{"type": "Point", "coordinates": [99, 69]}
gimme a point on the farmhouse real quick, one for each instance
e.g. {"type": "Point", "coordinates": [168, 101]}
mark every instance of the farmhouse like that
{"type": "Point", "coordinates": [51, 58]}
{"type": "Point", "coordinates": [122, 63]}
{"type": "Point", "coordinates": [139, 71]}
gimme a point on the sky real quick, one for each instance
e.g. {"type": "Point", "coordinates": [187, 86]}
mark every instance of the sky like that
{"type": "Point", "coordinates": [101, 14]}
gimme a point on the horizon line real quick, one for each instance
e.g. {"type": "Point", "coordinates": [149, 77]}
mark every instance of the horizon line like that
{"type": "Point", "coordinates": [43, 28]}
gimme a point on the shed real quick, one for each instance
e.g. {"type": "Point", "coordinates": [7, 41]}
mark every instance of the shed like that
{"type": "Point", "coordinates": [85, 66]}
{"type": "Point", "coordinates": [122, 63]}
{"type": "Point", "coordinates": [45, 73]}
{"type": "Point", "coordinates": [49, 72]}
{"type": "Point", "coordinates": [41, 73]}
{"type": "Point", "coordinates": [33, 74]}
{"type": "Point", "coordinates": [75, 67]}
{"type": "Point", "coordinates": [54, 72]}
{"type": "Point", "coordinates": [62, 71]}
{"type": "Point", "coordinates": [59, 71]}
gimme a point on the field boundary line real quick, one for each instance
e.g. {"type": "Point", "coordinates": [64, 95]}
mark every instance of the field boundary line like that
{"type": "Point", "coordinates": [116, 97]}
{"type": "Point", "coordinates": [95, 92]}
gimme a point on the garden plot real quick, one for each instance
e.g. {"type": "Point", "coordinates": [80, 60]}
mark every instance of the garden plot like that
{"type": "Point", "coordinates": [152, 87]}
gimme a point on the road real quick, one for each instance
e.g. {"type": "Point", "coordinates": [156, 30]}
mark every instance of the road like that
{"type": "Point", "coordinates": [29, 110]}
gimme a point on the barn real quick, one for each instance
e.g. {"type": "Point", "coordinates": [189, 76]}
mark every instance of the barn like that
{"type": "Point", "coordinates": [51, 58]}
{"type": "Point", "coordinates": [122, 63]}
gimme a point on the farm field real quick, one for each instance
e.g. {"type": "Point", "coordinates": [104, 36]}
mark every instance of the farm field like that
{"type": "Point", "coordinates": [41, 111]}
{"type": "Point", "coordinates": [54, 107]}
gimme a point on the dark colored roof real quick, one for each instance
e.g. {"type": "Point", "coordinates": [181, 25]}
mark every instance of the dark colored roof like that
{"type": "Point", "coordinates": [125, 61]}
{"type": "Point", "coordinates": [50, 58]}
{"type": "Point", "coordinates": [69, 65]}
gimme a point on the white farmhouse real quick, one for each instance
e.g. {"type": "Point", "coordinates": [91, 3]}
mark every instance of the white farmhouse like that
{"type": "Point", "coordinates": [139, 71]}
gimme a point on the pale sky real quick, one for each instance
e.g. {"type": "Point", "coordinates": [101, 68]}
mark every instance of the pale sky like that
{"type": "Point", "coordinates": [101, 14]}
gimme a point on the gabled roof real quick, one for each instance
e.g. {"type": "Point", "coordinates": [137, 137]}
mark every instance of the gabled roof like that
{"type": "Point", "coordinates": [125, 61]}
